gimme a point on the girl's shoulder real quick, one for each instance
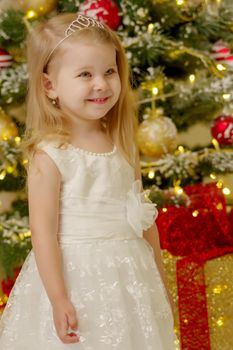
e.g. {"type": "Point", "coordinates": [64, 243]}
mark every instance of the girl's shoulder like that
{"type": "Point", "coordinates": [57, 151]}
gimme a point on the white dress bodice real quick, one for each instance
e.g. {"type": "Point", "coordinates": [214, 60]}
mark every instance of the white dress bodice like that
{"type": "Point", "coordinates": [99, 195]}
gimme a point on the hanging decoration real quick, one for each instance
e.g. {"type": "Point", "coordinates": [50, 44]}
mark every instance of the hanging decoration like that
{"type": "Point", "coordinates": [157, 135]}
{"type": "Point", "coordinates": [103, 10]}
{"type": "Point", "coordinates": [36, 8]}
{"type": "Point", "coordinates": [5, 59]}
{"type": "Point", "coordinates": [222, 54]}
{"type": "Point", "coordinates": [222, 129]}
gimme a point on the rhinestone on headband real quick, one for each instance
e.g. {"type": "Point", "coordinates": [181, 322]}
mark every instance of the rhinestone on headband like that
{"type": "Point", "coordinates": [81, 22]}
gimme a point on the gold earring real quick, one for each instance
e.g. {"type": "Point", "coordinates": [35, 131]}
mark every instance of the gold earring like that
{"type": "Point", "coordinates": [54, 102]}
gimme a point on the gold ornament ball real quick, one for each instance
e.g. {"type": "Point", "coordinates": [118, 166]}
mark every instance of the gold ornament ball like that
{"type": "Point", "coordinates": [40, 7]}
{"type": "Point", "coordinates": [7, 126]}
{"type": "Point", "coordinates": [157, 136]}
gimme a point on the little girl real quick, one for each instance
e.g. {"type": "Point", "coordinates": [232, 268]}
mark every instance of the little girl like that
{"type": "Point", "coordinates": [93, 279]}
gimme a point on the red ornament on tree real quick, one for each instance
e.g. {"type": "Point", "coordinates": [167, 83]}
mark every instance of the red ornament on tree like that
{"type": "Point", "coordinates": [222, 54]}
{"type": "Point", "coordinates": [106, 11]}
{"type": "Point", "coordinates": [222, 129]}
{"type": "Point", "coordinates": [5, 59]}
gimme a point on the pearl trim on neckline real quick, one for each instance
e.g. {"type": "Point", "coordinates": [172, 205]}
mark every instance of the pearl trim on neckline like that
{"type": "Point", "coordinates": [84, 151]}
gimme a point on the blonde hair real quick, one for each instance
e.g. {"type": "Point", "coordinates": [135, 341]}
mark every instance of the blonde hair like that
{"type": "Point", "coordinates": [44, 120]}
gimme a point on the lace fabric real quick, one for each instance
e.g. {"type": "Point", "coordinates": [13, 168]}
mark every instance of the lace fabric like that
{"type": "Point", "coordinates": [109, 268]}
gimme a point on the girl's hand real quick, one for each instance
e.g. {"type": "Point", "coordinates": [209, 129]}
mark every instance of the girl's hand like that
{"type": "Point", "coordinates": [65, 321]}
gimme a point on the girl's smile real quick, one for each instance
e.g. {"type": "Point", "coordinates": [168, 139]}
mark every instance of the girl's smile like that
{"type": "Point", "coordinates": [98, 100]}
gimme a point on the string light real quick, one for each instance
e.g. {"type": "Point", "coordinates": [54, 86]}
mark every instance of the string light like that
{"type": "Point", "coordinates": [2, 175]}
{"type": "Point", "coordinates": [164, 210]}
{"type": "Point", "coordinates": [178, 190]}
{"type": "Point", "coordinates": [195, 213]}
{"type": "Point", "coordinates": [219, 184]}
{"type": "Point", "coordinates": [226, 97]}
{"type": "Point", "coordinates": [31, 14]}
{"type": "Point", "coordinates": [180, 149]}
{"type": "Point", "coordinates": [221, 67]}
{"type": "Point", "coordinates": [155, 90]}
{"type": "Point", "coordinates": [10, 169]}
{"type": "Point", "coordinates": [192, 78]}
{"type": "Point", "coordinates": [150, 28]}
{"type": "Point", "coordinates": [17, 140]}
{"type": "Point", "coordinates": [226, 191]}
{"type": "Point", "coordinates": [212, 176]}
{"type": "Point", "coordinates": [151, 174]}
{"type": "Point", "coordinates": [180, 2]}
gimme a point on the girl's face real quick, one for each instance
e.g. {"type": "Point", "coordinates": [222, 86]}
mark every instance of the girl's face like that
{"type": "Point", "coordinates": [85, 80]}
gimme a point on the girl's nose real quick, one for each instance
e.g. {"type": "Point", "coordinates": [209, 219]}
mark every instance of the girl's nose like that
{"type": "Point", "coordinates": [100, 83]}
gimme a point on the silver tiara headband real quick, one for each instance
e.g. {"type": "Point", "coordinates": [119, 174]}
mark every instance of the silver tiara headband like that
{"type": "Point", "coordinates": [81, 22]}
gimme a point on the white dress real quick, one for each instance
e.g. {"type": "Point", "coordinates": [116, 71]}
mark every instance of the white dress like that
{"type": "Point", "coordinates": [109, 268]}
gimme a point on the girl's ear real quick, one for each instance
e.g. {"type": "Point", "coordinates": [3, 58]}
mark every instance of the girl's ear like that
{"type": "Point", "coordinates": [48, 86]}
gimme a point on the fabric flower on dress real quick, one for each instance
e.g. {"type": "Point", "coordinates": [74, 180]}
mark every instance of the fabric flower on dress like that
{"type": "Point", "coordinates": [141, 212]}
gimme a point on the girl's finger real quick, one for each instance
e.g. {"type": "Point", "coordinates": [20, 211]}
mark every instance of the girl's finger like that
{"type": "Point", "coordinates": [70, 338]}
{"type": "Point", "coordinates": [72, 321]}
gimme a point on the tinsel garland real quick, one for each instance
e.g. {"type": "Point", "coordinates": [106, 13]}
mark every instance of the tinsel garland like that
{"type": "Point", "coordinates": [184, 167]}
{"type": "Point", "coordinates": [187, 167]}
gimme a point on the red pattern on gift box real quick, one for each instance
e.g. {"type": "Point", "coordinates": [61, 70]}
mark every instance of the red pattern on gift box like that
{"type": "Point", "coordinates": [193, 312]}
{"type": "Point", "coordinates": [201, 226]}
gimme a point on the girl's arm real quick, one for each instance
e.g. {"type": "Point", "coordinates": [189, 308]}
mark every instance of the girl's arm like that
{"type": "Point", "coordinates": [152, 237]}
{"type": "Point", "coordinates": [43, 196]}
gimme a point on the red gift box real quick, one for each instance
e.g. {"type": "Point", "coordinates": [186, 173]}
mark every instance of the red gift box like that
{"type": "Point", "coordinates": [197, 233]}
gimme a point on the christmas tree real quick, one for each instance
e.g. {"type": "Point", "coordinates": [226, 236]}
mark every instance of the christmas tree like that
{"type": "Point", "coordinates": [181, 60]}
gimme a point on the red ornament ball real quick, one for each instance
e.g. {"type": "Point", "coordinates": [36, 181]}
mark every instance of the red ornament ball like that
{"type": "Point", "coordinates": [106, 11]}
{"type": "Point", "coordinates": [222, 129]}
{"type": "Point", "coordinates": [5, 59]}
{"type": "Point", "coordinates": [222, 54]}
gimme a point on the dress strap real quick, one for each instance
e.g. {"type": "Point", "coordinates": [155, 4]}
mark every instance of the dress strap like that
{"type": "Point", "coordinates": [58, 155]}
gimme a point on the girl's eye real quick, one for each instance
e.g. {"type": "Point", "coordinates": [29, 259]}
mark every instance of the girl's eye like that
{"type": "Point", "coordinates": [110, 71]}
{"type": "Point", "coordinates": [85, 75]}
